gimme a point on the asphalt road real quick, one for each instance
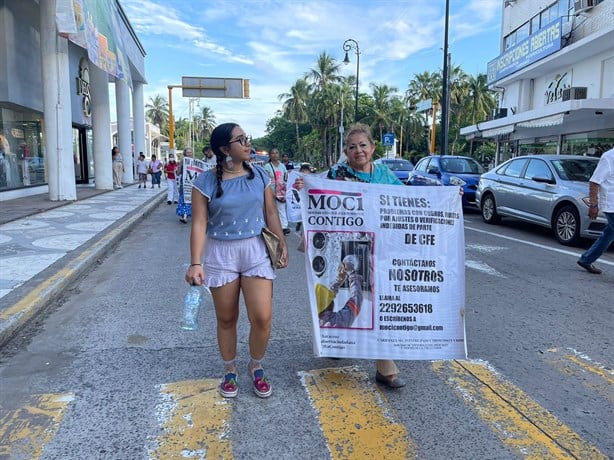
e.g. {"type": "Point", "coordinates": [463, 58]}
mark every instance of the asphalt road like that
{"type": "Point", "coordinates": [107, 373]}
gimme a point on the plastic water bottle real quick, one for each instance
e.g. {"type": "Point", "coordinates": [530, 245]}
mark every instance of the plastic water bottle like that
{"type": "Point", "coordinates": [191, 306]}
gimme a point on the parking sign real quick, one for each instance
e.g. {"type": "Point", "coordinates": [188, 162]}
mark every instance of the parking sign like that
{"type": "Point", "coordinates": [389, 139]}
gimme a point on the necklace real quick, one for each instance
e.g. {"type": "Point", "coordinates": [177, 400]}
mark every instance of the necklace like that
{"type": "Point", "coordinates": [232, 171]}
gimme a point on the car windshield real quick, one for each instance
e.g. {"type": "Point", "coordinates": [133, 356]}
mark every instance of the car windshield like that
{"type": "Point", "coordinates": [399, 165]}
{"type": "Point", "coordinates": [577, 169]}
{"type": "Point", "coordinates": [461, 166]}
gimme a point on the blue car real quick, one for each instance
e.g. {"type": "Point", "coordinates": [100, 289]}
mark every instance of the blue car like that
{"type": "Point", "coordinates": [449, 170]}
{"type": "Point", "coordinates": [400, 167]}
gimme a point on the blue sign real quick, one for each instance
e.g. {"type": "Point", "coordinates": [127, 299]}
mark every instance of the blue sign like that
{"type": "Point", "coordinates": [388, 139]}
{"type": "Point", "coordinates": [533, 48]}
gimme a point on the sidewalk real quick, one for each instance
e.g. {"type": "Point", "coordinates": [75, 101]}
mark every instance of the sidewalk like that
{"type": "Point", "coordinates": [45, 245]}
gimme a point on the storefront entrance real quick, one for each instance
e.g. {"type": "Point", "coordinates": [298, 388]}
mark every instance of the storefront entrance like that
{"type": "Point", "coordinates": [83, 156]}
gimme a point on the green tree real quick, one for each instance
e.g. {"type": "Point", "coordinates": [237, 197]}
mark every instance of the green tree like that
{"type": "Point", "coordinates": [382, 110]}
{"type": "Point", "coordinates": [207, 122]}
{"type": "Point", "coordinates": [323, 99]}
{"type": "Point", "coordinates": [157, 112]}
{"type": "Point", "coordinates": [295, 106]}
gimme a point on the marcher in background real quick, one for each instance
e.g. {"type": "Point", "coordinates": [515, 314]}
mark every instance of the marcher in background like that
{"type": "Point", "coordinates": [170, 169]}
{"type": "Point", "coordinates": [118, 167]}
{"type": "Point", "coordinates": [277, 171]}
{"type": "Point", "coordinates": [295, 196]}
{"type": "Point", "coordinates": [209, 156]}
{"type": "Point", "coordinates": [155, 166]}
{"type": "Point", "coordinates": [141, 169]}
{"type": "Point", "coordinates": [285, 159]}
{"type": "Point", "coordinates": [230, 205]}
{"type": "Point", "coordinates": [601, 198]}
{"type": "Point", "coordinates": [184, 210]}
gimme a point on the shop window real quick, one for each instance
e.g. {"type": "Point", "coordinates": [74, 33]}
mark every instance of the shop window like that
{"type": "Point", "coordinates": [21, 159]}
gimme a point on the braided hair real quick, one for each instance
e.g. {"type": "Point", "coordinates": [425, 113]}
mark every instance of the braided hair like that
{"type": "Point", "coordinates": [220, 137]}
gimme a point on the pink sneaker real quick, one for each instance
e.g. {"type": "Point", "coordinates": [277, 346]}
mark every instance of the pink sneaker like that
{"type": "Point", "coordinates": [228, 387]}
{"type": "Point", "coordinates": [262, 387]}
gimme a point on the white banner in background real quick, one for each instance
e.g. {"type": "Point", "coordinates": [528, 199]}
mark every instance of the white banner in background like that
{"type": "Point", "coordinates": [293, 198]}
{"type": "Point", "coordinates": [385, 270]}
{"type": "Point", "coordinates": [191, 168]}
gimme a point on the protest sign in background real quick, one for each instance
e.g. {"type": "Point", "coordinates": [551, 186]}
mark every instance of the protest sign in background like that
{"type": "Point", "coordinates": [192, 167]}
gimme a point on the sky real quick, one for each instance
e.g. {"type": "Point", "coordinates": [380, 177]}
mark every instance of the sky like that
{"type": "Point", "coordinates": [273, 43]}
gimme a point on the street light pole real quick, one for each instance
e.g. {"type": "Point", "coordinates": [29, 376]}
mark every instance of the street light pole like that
{"type": "Point", "coordinates": [348, 45]}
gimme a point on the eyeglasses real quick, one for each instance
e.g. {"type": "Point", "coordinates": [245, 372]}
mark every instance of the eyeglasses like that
{"type": "Point", "coordinates": [243, 140]}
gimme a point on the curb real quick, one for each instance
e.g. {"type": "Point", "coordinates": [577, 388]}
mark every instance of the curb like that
{"type": "Point", "coordinates": [17, 315]}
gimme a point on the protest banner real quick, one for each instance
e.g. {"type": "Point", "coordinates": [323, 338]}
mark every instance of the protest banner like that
{"type": "Point", "coordinates": [293, 197]}
{"type": "Point", "coordinates": [385, 270]}
{"type": "Point", "coordinates": [192, 167]}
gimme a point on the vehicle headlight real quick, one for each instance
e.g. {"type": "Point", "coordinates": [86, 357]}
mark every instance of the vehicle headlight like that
{"type": "Point", "coordinates": [587, 200]}
{"type": "Point", "coordinates": [457, 181]}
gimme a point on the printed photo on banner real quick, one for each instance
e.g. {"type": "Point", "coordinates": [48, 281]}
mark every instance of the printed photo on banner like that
{"type": "Point", "coordinates": [192, 167]}
{"type": "Point", "coordinates": [385, 270]}
{"type": "Point", "coordinates": [344, 287]}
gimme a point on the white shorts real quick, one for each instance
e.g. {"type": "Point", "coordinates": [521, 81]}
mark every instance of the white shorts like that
{"type": "Point", "coordinates": [227, 260]}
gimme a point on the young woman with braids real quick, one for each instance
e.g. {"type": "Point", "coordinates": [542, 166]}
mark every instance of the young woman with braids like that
{"type": "Point", "coordinates": [231, 203]}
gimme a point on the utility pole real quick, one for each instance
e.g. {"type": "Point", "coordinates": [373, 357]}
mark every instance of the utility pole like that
{"type": "Point", "coordinates": [444, 87]}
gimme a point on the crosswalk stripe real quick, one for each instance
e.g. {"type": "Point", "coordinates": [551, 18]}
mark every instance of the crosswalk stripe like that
{"type": "Point", "coordinates": [516, 419]}
{"type": "Point", "coordinates": [590, 373]}
{"type": "Point", "coordinates": [26, 430]}
{"type": "Point", "coordinates": [356, 418]}
{"type": "Point", "coordinates": [194, 421]}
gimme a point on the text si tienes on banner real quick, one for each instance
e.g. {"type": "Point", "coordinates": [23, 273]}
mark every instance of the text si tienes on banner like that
{"type": "Point", "coordinates": [385, 269]}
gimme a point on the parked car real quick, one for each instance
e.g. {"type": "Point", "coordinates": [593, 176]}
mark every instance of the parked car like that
{"type": "Point", "coordinates": [548, 190]}
{"type": "Point", "coordinates": [400, 167]}
{"type": "Point", "coordinates": [449, 170]}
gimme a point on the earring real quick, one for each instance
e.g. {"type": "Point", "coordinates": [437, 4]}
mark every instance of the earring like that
{"type": "Point", "coordinates": [229, 163]}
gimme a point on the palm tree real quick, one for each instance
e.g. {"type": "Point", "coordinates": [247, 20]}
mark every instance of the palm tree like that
{"type": "Point", "coordinates": [325, 72]}
{"type": "Point", "coordinates": [481, 99]}
{"type": "Point", "coordinates": [295, 105]}
{"type": "Point", "coordinates": [382, 107]}
{"type": "Point", "coordinates": [426, 85]}
{"type": "Point", "coordinates": [207, 122]}
{"type": "Point", "coordinates": [157, 112]}
{"type": "Point", "coordinates": [322, 103]}
{"type": "Point", "coordinates": [458, 91]}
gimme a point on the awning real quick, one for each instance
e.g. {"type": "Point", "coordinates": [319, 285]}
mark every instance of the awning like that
{"type": "Point", "coordinates": [506, 129]}
{"type": "Point", "coordinates": [552, 120]}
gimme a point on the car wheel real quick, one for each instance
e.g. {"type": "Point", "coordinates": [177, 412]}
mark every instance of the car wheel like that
{"type": "Point", "coordinates": [566, 225]}
{"type": "Point", "coordinates": [489, 210]}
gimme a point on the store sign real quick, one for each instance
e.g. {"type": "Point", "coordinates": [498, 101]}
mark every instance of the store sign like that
{"type": "Point", "coordinates": [555, 87]}
{"type": "Point", "coordinates": [533, 48]}
{"type": "Point", "coordinates": [83, 87]}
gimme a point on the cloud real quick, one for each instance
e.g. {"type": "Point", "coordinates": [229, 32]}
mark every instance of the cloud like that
{"type": "Point", "coordinates": [275, 42]}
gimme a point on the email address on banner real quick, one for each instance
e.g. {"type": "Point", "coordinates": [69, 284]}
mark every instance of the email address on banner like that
{"type": "Point", "coordinates": [409, 327]}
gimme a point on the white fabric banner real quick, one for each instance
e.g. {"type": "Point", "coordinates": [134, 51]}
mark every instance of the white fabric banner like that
{"type": "Point", "coordinates": [191, 168]}
{"type": "Point", "coordinates": [293, 197]}
{"type": "Point", "coordinates": [385, 270]}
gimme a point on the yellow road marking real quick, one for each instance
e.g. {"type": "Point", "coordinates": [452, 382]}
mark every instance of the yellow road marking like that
{"type": "Point", "coordinates": [25, 430]}
{"type": "Point", "coordinates": [195, 421]}
{"type": "Point", "coordinates": [356, 418]}
{"type": "Point", "coordinates": [515, 418]}
{"type": "Point", "coordinates": [590, 373]}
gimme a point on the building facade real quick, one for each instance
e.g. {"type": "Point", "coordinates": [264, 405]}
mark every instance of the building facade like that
{"type": "Point", "coordinates": [57, 60]}
{"type": "Point", "coordinates": [555, 78]}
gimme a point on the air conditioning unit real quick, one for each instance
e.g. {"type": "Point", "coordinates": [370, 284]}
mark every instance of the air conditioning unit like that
{"type": "Point", "coordinates": [583, 5]}
{"type": "Point", "coordinates": [575, 92]}
{"type": "Point", "coordinates": [499, 113]}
